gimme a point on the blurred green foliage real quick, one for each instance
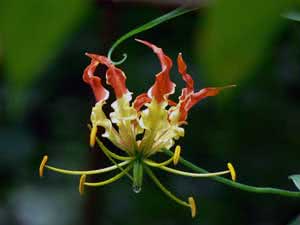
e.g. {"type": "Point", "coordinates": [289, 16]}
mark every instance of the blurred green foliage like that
{"type": "Point", "coordinates": [238, 36]}
{"type": "Point", "coordinates": [32, 33]}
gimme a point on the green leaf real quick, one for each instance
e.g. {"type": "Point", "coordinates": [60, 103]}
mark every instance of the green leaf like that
{"type": "Point", "coordinates": [237, 36]}
{"type": "Point", "coordinates": [32, 33]}
{"type": "Point", "coordinates": [296, 180]}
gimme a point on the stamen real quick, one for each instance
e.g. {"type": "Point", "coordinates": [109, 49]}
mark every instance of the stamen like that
{"type": "Point", "coordinates": [88, 172]}
{"type": "Point", "coordinates": [108, 181]}
{"type": "Point", "coordinates": [232, 171]}
{"type": "Point", "coordinates": [42, 165]}
{"type": "Point", "coordinates": [155, 164]}
{"type": "Point", "coordinates": [114, 155]}
{"type": "Point", "coordinates": [81, 184]}
{"type": "Point", "coordinates": [176, 155]}
{"type": "Point", "coordinates": [192, 204]}
{"type": "Point", "coordinates": [183, 173]}
{"type": "Point", "coordinates": [164, 189]}
{"type": "Point", "coordinates": [111, 156]}
{"type": "Point", "coordinates": [106, 150]}
{"type": "Point", "coordinates": [93, 136]}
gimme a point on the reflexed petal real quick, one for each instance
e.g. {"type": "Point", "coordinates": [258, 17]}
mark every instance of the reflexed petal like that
{"type": "Point", "coordinates": [185, 76]}
{"type": "Point", "coordinates": [140, 101]}
{"type": "Point", "coordinates": [117, 79]}
{"type": "Point", "coordinates": [194, 98]}
{"type": "Point", "coordinates": [99, 58]}
{"type": "Point", "coordinates": [163, 85]}
{"type": "Point", "coordinates": [101, 94]}
{"type": "Point", "coordinates": [188, 98]}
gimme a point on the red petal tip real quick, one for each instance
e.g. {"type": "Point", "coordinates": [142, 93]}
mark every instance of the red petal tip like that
{"type": "Point", "coordinates": [146, 43]}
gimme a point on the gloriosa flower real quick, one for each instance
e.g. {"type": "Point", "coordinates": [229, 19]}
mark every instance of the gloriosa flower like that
{"type": "Point", "coordinates": [143, 127]}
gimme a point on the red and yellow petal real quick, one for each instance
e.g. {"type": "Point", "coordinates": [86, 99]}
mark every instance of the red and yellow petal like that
{"type": "Point", "coordinates": [163, 86]}
{"type": "Point", "coordinates": [101, 94]}
{"type": "Point", "coordinates": [117, 79]}
{"type": "Point", "coordinates": [140, 101]}
{"type": "Point", "coordinates": [185, 76]}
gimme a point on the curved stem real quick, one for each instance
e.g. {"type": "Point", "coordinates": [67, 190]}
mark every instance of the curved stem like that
{"type": "Point", "coordinates": [177, 12]}
{"type": "Point", "coordinates": [108, 181]}
{"type": "Point", "coordinates": [165, 190]}
{"type": "Point", "coordinates": [87, 172]}
{"type": "Point", "coordinates": [244, 187]}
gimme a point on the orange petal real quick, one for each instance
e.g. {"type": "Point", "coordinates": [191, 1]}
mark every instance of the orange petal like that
{"type": "Point", "coordinates": [140, 101]}
{"type": "Point", "coordinates": [194, 98]}
{"type": "Point", "coordinates": [163, 86]}
{"type": "Point", "coordinates": [99, 91]}
{"type": "Point", "coordinates": [185, 76]}
{"type": "Point", "coordinates": [117, 79]}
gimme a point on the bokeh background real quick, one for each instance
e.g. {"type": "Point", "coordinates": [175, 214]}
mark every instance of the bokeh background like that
{"type": "Point", "coordinates": [45, 108]}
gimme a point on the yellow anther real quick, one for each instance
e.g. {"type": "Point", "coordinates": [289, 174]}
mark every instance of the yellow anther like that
{"type": "Point", "coordinates": [81, 184]}
{"type": "Point", "coordinates": [193, 207]}
{"type": "Point", "coordinates": [42, 165]}
{"type": "Point", "coordinates": [93, 136]}
{"type": "Point", "coordinates": [232, 171]}
{"type": "Point", "coordinates": [176, 155]}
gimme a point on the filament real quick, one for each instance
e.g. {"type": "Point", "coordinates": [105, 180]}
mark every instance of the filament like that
{"type": "Point", "coordinates": [87, 172]}
{"type": "Point", "coordinates": [111, 180]}
{"type": "Point", "coordinates": [155, 164]}
{"type": "Point", "coordinates": [188, 174]}
{"type": "Point", "coordinates": [105, 149]}
{"type": "Point", "coordinates": [114, 155]}
{"type": "Point", "coordinates": [164, 189]}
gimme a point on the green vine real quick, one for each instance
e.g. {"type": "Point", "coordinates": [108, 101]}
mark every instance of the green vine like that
{"type": "Point", "coordinates": [244, 187]}
{"type": "Point", "coordinates": [176, 12]}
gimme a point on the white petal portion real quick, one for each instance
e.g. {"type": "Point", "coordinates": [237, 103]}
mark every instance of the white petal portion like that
{"type": "Point", "coordinates": [125, 117]}
{"type": "Point", "coordinates": [98, 118]}
{"type": "Point", "coordinates": [160, 132]}
{"type": "Point", "coordinates": [122, 109]}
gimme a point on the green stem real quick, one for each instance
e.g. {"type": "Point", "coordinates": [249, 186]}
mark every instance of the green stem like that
{"type": "Point", "coordinates": [177, 12]}
{"type": "Point", "coordinates": [244, 187]}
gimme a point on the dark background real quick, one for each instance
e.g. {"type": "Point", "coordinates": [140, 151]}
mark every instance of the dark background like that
{"type": "Point", "coordinates": [45, 108]}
